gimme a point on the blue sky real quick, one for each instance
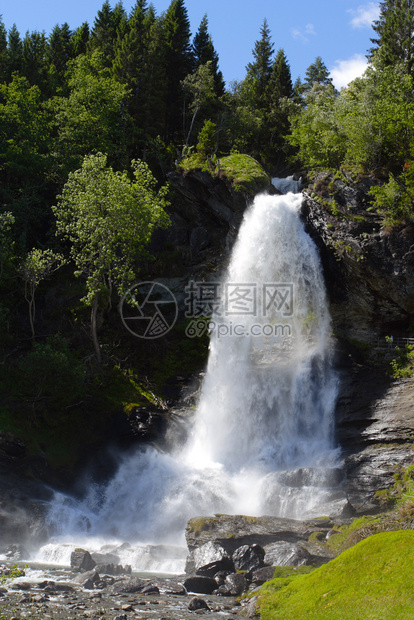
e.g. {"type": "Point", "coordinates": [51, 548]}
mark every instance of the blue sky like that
{"type": "Point", "coordinates": [337, 31]}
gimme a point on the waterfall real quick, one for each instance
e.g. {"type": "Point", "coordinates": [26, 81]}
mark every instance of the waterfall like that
{"type": "Point", "coordinates": [262, 439]}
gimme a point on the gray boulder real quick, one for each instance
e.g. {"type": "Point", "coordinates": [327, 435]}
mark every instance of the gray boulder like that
{"type": "Point", "coordinates": [248, 557]}
{"type": "Point", "coordinates": [209, 559]}
{"type": "Point", "coordinates": [81, 561]}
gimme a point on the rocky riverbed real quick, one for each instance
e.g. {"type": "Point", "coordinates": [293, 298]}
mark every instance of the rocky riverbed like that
{"type": "Point", "coordinates": [60, 595]}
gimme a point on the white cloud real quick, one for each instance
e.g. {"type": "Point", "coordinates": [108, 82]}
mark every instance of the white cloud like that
{"type": "Point", "coordinates": [345, 71]}
{"type": "Point", "coordinates": [301, 34]}
{"type": "Point", "coordinates": [364, 15]}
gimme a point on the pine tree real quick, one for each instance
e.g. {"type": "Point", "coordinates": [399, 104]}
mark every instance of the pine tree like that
{"type": "Point", "coordinates": [260, 70]}
{"type": "Point", "coordinates": [395, 34]}
{"type": "Point", "coordinates": [317, 73]}
{"type": "Point", "coordinates": [178, 63]}
{"type": "Point", "coordinates": [14, 52]}
{"type": "Point", "coordinates": [203, 50]}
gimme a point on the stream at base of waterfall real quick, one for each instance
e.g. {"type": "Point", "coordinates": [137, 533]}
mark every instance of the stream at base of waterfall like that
{"type": "Point", "coordinates": [261, 441]}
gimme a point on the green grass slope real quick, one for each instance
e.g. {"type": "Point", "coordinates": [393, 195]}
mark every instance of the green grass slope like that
{"type": "Point", "coordinates": [373, 580]}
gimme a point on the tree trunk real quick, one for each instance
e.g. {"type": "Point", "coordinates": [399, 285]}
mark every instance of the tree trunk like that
{"type": "Point", "coordinates": [94, 332]}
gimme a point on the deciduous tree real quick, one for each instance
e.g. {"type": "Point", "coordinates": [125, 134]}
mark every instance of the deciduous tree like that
{"type": "Point", "coordinates": [108, 220]}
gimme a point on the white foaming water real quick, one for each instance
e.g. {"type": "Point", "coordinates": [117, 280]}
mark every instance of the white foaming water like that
{"type": "Point", "coordinates": [262, 439]}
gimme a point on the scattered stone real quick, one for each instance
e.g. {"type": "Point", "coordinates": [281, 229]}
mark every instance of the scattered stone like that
{"type": "Point", "coordinates": [150, 589]}
{"type": "Point", "coordinates": [127, 608]}
{"type": "Point", "coordinates": [235, 584]}
{"type": "Point", "coordinates": [200, 585]}
{"type": "Point", "coordinates": [263, 574]}
{"type": "Point", "coordinates": [197, 603]}
{"type": "Point", "coordinates": [88, 579]}
{"type": "Point", "coordinates": [81, 561]}
{"type": "Point", "coordinates": [21, 585]}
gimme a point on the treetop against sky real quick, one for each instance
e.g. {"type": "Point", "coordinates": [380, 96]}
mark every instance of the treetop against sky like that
{"type": "Point", "coordinates": [338, 31]}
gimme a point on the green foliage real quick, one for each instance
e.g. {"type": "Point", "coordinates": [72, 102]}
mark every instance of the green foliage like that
{"type": "Point", "coordinates": [395, 34]}
{"type": "Point", "coordinates": [403, 364]}
{"type": "Point", "coordinates": [316, 130]}
{"type": "Point", "coordinates": [37, 266]}
{"type": "Point", "coordinates": [371, 577]}
{"type": "Point", "coordinates": [93, 117]}
{"type": "Point", "coordinates": [109, 219]}
{"type": "Point", "coordinates": [206, 141]}
{"type": "Point", "coordinates": [14, 572]}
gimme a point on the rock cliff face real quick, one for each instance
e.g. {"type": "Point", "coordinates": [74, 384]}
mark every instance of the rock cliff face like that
{"type": "Point", "coordinates": [369, 269]}
{"type": "Point", "coordinates": [369, 273]}
{"type": "Point", "coordinates": [206, 213]}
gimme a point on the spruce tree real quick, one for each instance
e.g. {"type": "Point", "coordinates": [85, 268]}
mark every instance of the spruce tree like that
{"type": "Point", "coordinates": [204, 52]}
{"type": "Point", "coordinates": [317, 73]}
{"type": "Point", "coordinates": [14, 52]}
{"type": "Point", "coordinates": [260, 70]}
{"type": "Point", "coordinates": [3, 51]}
{"type": "Point", "coordinates": [80, 39]}
{"type": "Point", "coordinates": [34, 63]}
{"type": "Point", "coordinates": [395, 34]}
{"type": "Point", "coordinates": [59, 52]}
{"type": "Point", "coordinates": [280, 89]}
{"type": "Point", "coordinates": [178, 62]}
{"type": "Point", "coordinates": [103, 35]}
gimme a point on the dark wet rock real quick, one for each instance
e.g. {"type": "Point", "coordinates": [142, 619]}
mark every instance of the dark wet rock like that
{"type": "Point", "coordinates": [262, 574]}
{"type": "Point", "coordinates": [234, 585]}
{"type": "Point", "coordinates": [114, 569]}
{"type": "Point", "coordinates": [197, 603]}
{"type": "Point", "coordinates": [234, 531]}
{"type": "Point", "coordinates": [150, 589]}
{"type": "Point", "coordinates": [81, 560]}
{"type": "Point", "coordinates": [200, 585]}
{"type": "Point", "coordinates": [208, 560]}
{"type": "Point", "coordinates": [375, 426]}
{"type": "Point", "coordinates": [248, 557]}
{"type": "Point", "coordinates": [369, 269]}
{"type": "Point", "coordinates": [220, 577]}
{"type": "Point", "coordinates": [312, 476]}
{"type": "Point", "coordinates": [22, 585]}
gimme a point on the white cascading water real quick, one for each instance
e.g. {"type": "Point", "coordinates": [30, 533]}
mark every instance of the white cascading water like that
{"type": "Point", "coordinates": [262, 440]}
